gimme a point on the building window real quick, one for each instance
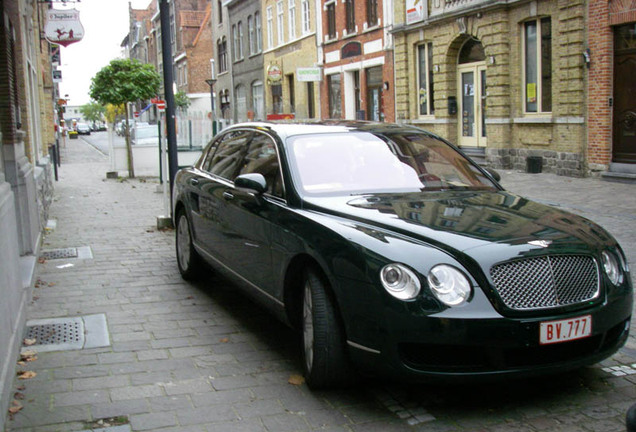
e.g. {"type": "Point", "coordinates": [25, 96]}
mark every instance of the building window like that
{"type": "Point", "coordinates": [240, 39]}
{"type": "Point", "coordinates": [270, 27]}
{"type": "Point", "coordinates": [306, 16]}
{"type": "Point", "coordinates": [350, 16]}
{"type": "Point", "coordinates": [185, 73]}
{"type": "Point", "coordinates": [258, 103]}
{"type": "Point", "coordinates": [537, 47]}
{"type": "Point", "coordinates": [220, 8]}
{"type": "Point", "coordinates": [372, 13]}
{"type": "Point", "coordinates": [335, 100]}
{"type": "Point", "coordinates": [222, 52]}
{"type": "Point", "coordinates": [292, 19]}
{"type": "Point", "coordinates": [331, 20]}
{"type": "Point", "coordinates": [280, 22]}
{"type": "Point", "coordinates": [425, 78]}
{"type": "Point", "coordinates": [235, 42]}
{"type": "Point", "coordinates": [251, 39]}
{"type": "Point", "coordinates": [259, 32]}
{"type": "Point", "coordinates": [241, 103]}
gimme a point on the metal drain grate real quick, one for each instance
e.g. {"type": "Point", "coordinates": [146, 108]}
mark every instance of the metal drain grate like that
{"type": "Point", "coordinates": [59, 333]}
{"type": "Point", "coordinates": [59, 253]}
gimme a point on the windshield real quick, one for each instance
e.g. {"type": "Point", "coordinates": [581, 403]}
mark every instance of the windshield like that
{"type": "Point", "coordinates": [361, 162]}
{"type": "Point", "coordinates": [146, 132]}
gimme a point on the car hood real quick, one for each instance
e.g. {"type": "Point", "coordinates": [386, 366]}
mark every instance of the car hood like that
{"type": "Point", "coordinates": [470, 220]}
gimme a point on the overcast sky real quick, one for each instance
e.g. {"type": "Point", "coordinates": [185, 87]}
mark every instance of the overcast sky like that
{"type": "Point", "coordinates": [105, 25]}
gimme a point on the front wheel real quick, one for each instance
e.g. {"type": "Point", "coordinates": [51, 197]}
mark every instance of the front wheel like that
{"type": "Point", "coordinates": [325, 360]}
{"type": "Point", "coordinates": [188, 259]}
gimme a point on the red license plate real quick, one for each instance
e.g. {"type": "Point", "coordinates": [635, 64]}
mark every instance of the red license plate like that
{"type": "Point", "coordinates": [565, 330]}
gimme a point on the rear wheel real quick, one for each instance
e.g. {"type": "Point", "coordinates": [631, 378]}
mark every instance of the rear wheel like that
{"type": "Point", "coordinates": [324, 353]}
{"type": "Point", "coordinates": [188, 259]}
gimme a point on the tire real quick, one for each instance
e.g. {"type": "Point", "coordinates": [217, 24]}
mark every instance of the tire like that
{"type": "Point", "coordinates": [188, 259]}
{"type": "Point", "coordinates": [325, 360]}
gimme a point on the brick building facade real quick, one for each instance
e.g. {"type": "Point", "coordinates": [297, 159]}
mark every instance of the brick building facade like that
{"type": "Point", "coordinates": [506, 81]}
{"type": "Point", "coordinates": [292, 76]}
{"type": "Point", "coordinates": [611, 133]}
{"type": "Point", "coordinates": [358, 60]}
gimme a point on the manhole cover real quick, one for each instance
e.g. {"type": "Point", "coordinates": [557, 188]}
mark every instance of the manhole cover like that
{"type": "Point", "coordinates": [59, 333]}
{"type": "Point", "coordinates": [59, 253]}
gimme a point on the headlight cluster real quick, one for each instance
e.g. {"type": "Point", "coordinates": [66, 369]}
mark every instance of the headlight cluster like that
{"type": "Point", "coordinates": [447, 283]}
{"type": "Point", "coordinates": [612, 267]}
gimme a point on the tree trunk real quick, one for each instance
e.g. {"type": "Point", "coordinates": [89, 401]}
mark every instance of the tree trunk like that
{"type": "Point", "coordinates": [131, 166]}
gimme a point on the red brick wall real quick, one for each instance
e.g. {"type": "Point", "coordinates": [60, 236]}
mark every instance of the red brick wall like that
{"type": "Point", "coordinates": [362, 36]}
{"type": "Point", "coordinates": [600, 83]}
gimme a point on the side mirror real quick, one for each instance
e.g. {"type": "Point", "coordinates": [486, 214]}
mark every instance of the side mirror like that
{"type": "Point", "coordinates": [254, 181]}
{"type": "Point", "coordinates": [493, 173]}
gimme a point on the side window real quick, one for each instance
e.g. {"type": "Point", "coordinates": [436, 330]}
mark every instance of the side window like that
{"type": "Point", "coordinates": [261, 158]}
{"type": "Point", "coordinates": [228, 155]}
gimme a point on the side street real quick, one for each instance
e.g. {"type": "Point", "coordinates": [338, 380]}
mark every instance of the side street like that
{"type": "Point", "coordinates": [177, 356]}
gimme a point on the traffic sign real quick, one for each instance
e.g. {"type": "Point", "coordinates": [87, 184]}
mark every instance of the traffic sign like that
{"type": "Point", "coordinates": [161, 105]}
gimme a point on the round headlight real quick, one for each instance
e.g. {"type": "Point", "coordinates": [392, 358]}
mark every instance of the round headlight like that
{"type": "Point", "coordinates": [400, 281]}
{"type": "Point", "coordinates": [612, 270]}
{"type": "Point", "coordinates": [449, 285]}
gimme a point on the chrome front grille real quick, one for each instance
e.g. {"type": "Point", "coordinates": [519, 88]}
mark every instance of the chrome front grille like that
{"type": "Point", "coordinates": [546, 282]}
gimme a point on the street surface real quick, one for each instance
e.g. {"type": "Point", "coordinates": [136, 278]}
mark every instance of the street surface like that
{"type": "Point", "coordinates": [201, 357]}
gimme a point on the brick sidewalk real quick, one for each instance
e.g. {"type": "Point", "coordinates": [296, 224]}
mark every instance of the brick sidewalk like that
{"type": "Point", "coordinates": [199, 357]}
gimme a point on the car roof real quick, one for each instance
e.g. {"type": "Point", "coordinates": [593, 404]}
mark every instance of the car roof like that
{"type": "Point", "coordinates": [289, 128]}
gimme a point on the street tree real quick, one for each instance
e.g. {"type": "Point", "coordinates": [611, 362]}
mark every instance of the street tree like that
{"type": "Point", "coordinates": [182, 101]}
{"type": "Point", "coordinates": [121, 82]}
{"type": "Point", "coordinates": [93, 111]}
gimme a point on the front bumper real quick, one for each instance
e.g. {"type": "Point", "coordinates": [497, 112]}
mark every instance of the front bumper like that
{"type": "Point", "coordinates": [413, 346]}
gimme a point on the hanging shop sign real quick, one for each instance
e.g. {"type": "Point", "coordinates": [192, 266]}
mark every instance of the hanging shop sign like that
{"type": "Point", "coordinates": [57, 76]}
{"type": "Point", "coordinates": [274, 74]}
{"type": "Point", "coordinates": [415, 11]}
{"type": "Point", "coordinates": [63, 27]}
{"type": "Point", "coordinates": [308, 74]}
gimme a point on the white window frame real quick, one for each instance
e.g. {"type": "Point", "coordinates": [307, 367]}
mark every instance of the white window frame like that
{"type": "Point", "coordinates": [291, 23]}
{"type": "Point", "coordinates": [240, 39]}
{"type": "Point", "coordinates": [259, 32]}
{"type": "Point", "coordinates": [270, 27]}
{"type": "Point", "coordinates": [430, 104]}
{"type": "Point", "coordinates": [235, 42]}
{"type": "Point", "coordinates": [250, 34]}
{"type": "Point", "coordinates": [280, 22]}
{"type": "Point", "coordinates": [539, 67]}
{"type": "Point", "coordinates": [306, 16]}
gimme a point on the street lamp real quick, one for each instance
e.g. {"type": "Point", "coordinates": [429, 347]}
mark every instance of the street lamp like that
{"type": "Point", "coordinates": [211, 82]}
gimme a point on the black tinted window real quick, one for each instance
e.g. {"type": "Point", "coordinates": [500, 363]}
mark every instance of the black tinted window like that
{"type": "Point", "coordinates": [224, 161]}
{"type": "Point", "coordinates": [261, 158]}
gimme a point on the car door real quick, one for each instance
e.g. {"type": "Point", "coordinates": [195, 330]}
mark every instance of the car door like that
{"type": "Point", "coordinates": [212, 225]}
{"type": "Point", "coordinates": [254, 217]}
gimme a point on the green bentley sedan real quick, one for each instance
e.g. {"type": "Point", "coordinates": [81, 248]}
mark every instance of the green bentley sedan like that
{"type": "Point", "coordinates": [394, 254]}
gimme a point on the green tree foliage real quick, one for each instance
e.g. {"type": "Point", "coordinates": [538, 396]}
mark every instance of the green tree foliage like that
{"type": "Point", "coordinates": [182, 101]}
{"type": "Point", "coordinates": [93, 111]}
{"type": "Point", "coordinates": [123, 81]}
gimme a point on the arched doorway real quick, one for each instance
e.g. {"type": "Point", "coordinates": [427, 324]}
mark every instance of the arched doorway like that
{"type": "Point", "coordinates": [471, 94]}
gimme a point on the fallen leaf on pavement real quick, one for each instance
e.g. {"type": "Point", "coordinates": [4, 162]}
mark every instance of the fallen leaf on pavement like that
{"type": "Point", "coordinates": [27, 375]}
{"type": "Point", "coordinates": [15, 407]}
{"type": "Point", "coordinates": [29, 342]}
{"type": "Point", "coordinates": [29, 356]}
{"type": "Point", "coordinates": [41, 260]}
{"type": "Point", "coordinates": [19, 396]}
{"type": "Point", "coordinates": [224, 340]}
{"type": "Point", "coordinates": [296, 380]}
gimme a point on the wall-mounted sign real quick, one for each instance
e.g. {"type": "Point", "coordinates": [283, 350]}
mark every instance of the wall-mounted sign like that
{"type": "Point", "coordinates": [309, 74]}
{"type": "Point", "coordinates": [55, 55]}
{"type": "Point", "coordinates": [63, 27]}
{"type": "Point", "coordinates": [274, 74]}
{"type": "Point", "coordinates": [415, 11]}
{"type": "Point", "coordinates": [57, 76]}
{"type": "Point", "coordinates": [352, 49]}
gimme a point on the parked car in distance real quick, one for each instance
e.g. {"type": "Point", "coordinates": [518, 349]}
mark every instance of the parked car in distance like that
{"type": "Point", "coordinates": [393, 253]}
{"type": "Point", "coordinates": [144, 135]}
{"type": "Point", "coordinates": [83, 129]}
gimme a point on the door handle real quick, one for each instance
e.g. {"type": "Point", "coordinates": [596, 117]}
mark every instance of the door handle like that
{"type": "Point", "coordinates": [228, 195]}
{"type": "Point", "coordinates": [194, 182]}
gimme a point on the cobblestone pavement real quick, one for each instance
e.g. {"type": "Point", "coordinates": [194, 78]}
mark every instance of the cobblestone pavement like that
{"type": "Point", "coordinates": [200, 357]}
